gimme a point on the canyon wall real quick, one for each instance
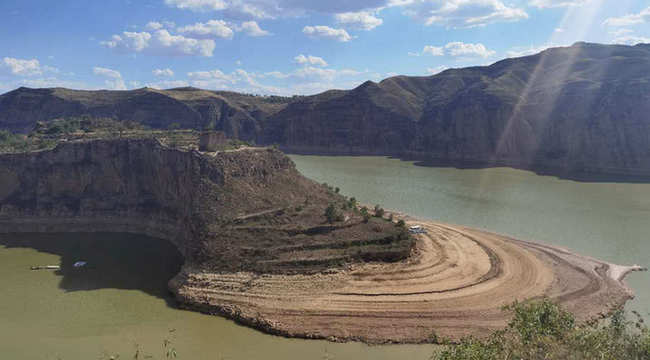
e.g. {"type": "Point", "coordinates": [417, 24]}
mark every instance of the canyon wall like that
{"type": "Point", "coordinates": [247, 209]}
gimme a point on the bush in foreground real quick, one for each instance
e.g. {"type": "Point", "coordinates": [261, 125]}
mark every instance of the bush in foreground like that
{"type": "Point", "coordinates": [543, 330]}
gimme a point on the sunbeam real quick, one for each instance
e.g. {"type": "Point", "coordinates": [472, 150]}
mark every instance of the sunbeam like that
{"type": "Point", "coordinates": [576, 23]}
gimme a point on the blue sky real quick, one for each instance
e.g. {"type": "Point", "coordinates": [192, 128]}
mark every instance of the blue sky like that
{"type": "Point", "coordinates": [287, 46]}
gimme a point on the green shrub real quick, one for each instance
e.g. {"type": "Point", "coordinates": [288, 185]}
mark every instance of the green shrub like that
{"type": "Point", "coordinates": [365, 214]}
{"type": "Point", "coordinates": [401, 223]}
{"type": "Point", "coordinates": [543, 330]}
{"type": "Point", "coordinates": [332, 214]}
{"type": "Point", "coordinates": [379, 212]}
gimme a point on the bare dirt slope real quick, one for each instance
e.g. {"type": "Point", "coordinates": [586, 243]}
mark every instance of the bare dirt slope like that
{"type": "Point", "coordinates": [453, 285]}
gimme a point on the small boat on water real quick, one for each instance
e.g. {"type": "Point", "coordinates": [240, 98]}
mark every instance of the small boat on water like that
{"type": "Point", "coordinates": [46, 267]}
{"type": "Point", "coordinates": [79, 264]}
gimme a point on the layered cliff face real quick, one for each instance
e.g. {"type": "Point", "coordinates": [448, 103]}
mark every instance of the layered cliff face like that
{"type": "Point", "coordinates": [239, 210]}
{"type": "Point", "coordinates": [566, 110]}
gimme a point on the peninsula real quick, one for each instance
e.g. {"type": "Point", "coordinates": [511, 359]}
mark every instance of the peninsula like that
{"type": "Point", "coordinates": [276, 251]}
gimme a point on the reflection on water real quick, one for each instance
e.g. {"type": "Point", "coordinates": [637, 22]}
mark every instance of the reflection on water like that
{"type": "Point", "coordinates": [120, 302]}
{"type": "Point", "coordinates": [114, 261]}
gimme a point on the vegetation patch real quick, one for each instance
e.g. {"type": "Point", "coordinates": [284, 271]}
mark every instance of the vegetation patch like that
{"type": "Point", "coordinates": [543, 330]}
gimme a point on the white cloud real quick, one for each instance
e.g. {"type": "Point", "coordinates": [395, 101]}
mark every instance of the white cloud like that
{"type": "Point", "coordinates": [365, 20]}
{"type": "Point", "coordinates": [276, 74]}
{"type": "Point", "coordinates": [304, 79]}
{"type": "Point", "coordinates": [525, 51]}
{"type": "Point", "coordinates": [114, 81]}
{"type": "Point", "coordinates": [210, 75]}
{"type": "Point", "coordinates": [323, 74]}
{"type": "Point", "coordinates": [461, 13]}
{"type": "Point", "coordinates": [632, 40]}
{"type": "Point", "coordinates": [251, 28]}
{"type": "Point", "coordinates": [266, 9]}
{"type": "Point", "coordinates": [239, 80]}
{"type": "Point", "coordinates": [200, 5]}
{"type": "Point", "coordinates": [362, 14]}
{"type": "Point", "coordinates": [621, 32]}
{"type": "Point", "coordinates": [630, 19]}
{"type": "Point", "coordinates": [327, 33]}
{"type": "Point", "coordinates": [168, 84]}
{"type": "Point", "coordinates": [208, 30]}
{"type": "Point", "coordinates": [436, 70]}
{"type": "Point", "coordinates": [154, 25]}
{"type": "Point", "coordinates": [160, 43]}
{"type": "Point", "coordinates": [542, 4]}
{"type": "Point", "coordinates": [458, 48]}
{"type": "Point", "coordinates": [309, 59]}
{"type": "Point", "coordinates": [26, 67]}
{"type": "Point", "coordinates": [433, 50]}
{"type": "Point", "coordinates": [163, 72]}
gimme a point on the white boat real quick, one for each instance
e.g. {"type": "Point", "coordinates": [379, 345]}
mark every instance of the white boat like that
{"type": "Point", "coordinates": [79, 264]}
{"type": "Point", "coordinates": [46, 267]}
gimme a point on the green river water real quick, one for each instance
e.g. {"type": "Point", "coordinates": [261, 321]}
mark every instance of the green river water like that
{"type": "Point", "coordinates": [120, 301]}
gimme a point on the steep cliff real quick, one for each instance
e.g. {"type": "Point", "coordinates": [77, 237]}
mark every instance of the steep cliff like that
{"type": "Point", "coordinates": [239, 210]}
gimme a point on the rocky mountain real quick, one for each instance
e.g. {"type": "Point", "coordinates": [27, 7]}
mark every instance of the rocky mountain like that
{"type": "Point", "coordinates": [584, 108]}
{"type": "Point", "coordinates": [576, 109]}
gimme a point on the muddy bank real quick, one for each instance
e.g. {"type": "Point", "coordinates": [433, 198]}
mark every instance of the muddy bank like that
{"type": "Point", "coordinates": [453, 285]}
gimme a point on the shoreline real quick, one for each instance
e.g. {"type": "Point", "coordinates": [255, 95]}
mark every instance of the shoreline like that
{"type": "Point", "coordinates": [438, 290]}
{"type": "Point", "coordinates": [597, 175]}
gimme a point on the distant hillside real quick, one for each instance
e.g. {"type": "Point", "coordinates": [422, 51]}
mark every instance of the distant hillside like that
{"type": "Point", "coordinates": [240, 115]}
{"type": "Point", "coordinates": [565, 110]}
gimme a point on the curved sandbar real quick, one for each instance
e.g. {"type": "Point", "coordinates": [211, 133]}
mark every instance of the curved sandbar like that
{"type": "Point", "coordinates": [453, 285]}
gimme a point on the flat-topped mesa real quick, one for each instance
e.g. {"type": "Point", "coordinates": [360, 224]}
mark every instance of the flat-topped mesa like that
{"type": "Point", "coordinates": [235, 210]}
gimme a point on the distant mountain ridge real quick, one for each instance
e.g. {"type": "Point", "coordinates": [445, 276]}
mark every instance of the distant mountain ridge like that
{"type": "Point", "coordinates": [240, 115]}
{"type": "Point", "coordinates": [583, 108]}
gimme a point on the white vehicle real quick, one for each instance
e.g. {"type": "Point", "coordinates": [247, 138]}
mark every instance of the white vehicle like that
{"type": "Point", "coordinates": [417, 229]}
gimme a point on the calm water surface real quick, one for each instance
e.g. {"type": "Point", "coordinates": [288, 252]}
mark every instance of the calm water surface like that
{"type": "Point", "coordinates": [121, 301]}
